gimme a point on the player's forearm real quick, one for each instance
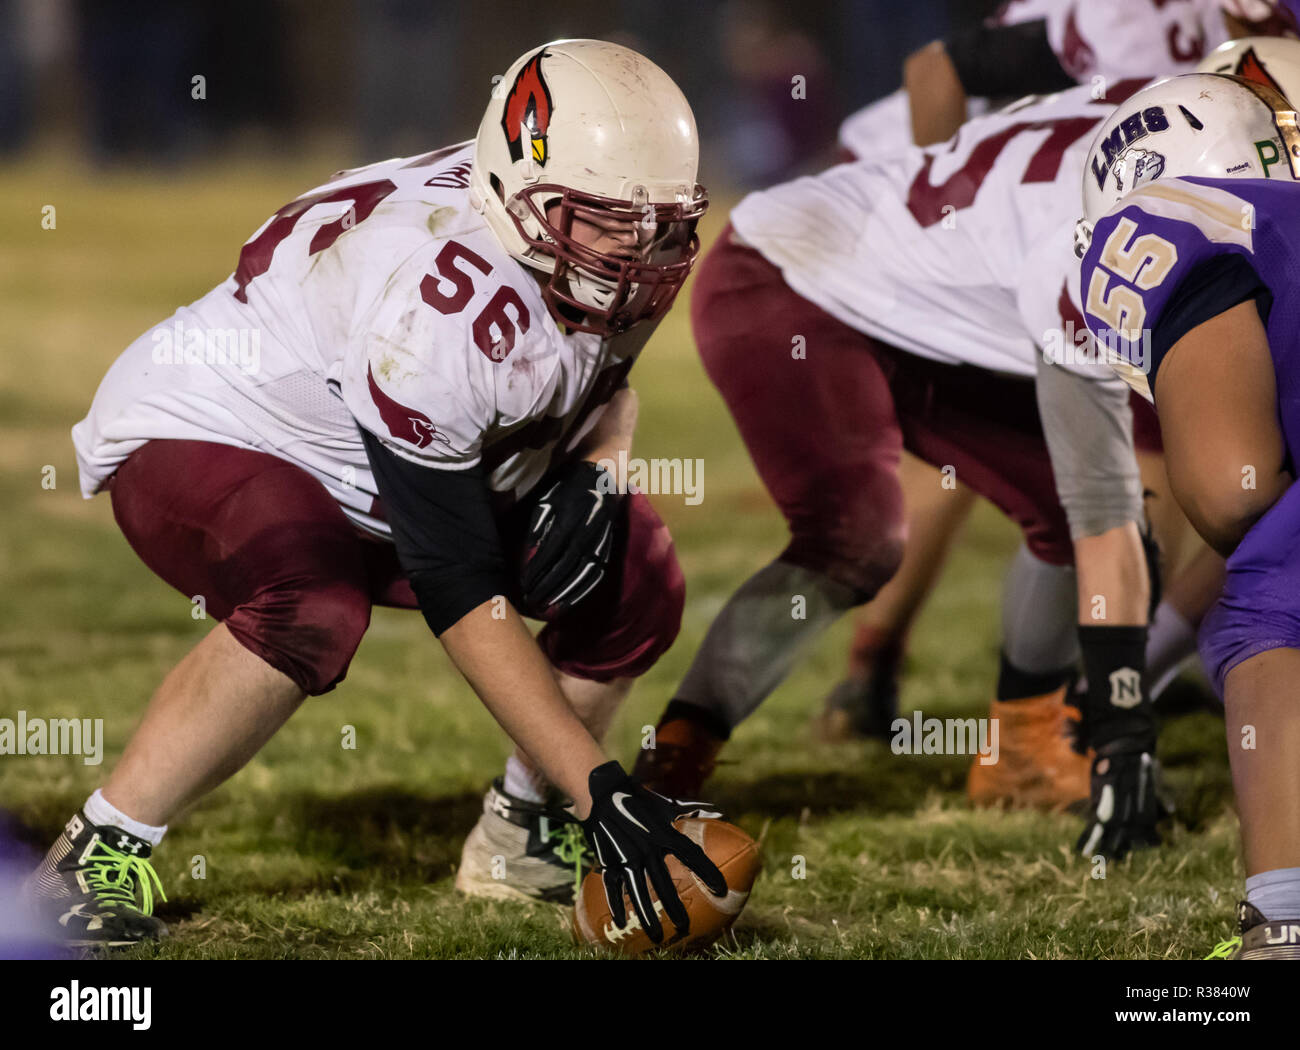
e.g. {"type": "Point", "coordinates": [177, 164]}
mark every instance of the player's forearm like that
{"type": "Point", "coordinates": [503, 664]}
{"type": "Point", "coordinates": [934, 93]}
{"type": "Point", "coordinates": [612, 433]}
{"type": "Point", "coordinates": [1114, 598]}
{"type": "Point", "coordinates": [1114, 587]}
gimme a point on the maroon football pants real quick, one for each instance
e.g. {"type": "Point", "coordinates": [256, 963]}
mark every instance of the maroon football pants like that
{"type": "Point", "coordinates": [826, 427]}
{"type": "Point", "coordinates": [276, 560]}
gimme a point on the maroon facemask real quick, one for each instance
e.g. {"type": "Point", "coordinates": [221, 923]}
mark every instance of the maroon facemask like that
{"type": "Point", "coordinates": [643, 288]}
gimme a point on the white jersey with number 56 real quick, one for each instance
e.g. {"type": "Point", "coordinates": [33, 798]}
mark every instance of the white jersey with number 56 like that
{"type": "Point", "coordinates": [379, 300]}
{"type": "Point", "coordinates": [956, 252]}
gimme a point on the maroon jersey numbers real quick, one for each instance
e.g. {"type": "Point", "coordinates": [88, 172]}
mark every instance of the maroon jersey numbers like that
{"type": "Point", "coordinates": [494, 330]}
{"type": "Point", "coordinates": [255, 257]}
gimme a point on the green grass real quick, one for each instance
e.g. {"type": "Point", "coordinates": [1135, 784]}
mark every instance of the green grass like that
{"type": "Point", "coordinates": [316, 851]}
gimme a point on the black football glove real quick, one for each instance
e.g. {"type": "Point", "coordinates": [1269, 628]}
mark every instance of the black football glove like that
{"type": "Point", "coordinates": [1127, 801]}
{"type": "Point", "coordinates": [631, 829]}
{"type": "Point", "coordinates": [570, 536]}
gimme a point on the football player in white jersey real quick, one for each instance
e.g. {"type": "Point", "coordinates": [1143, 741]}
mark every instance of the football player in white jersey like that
{"type": "Point", "coordinates": [916, 301]}
{"type": "Point", "coordinates": [1032, 47]}
{"type": "Point", "coordinates": [1027, 47]}
{"type": "Point", "coordinates": [897, 281]}
{"type": "Point", "coordinates": [403, 395]}
{"type": "Point", "coordinates": [946, 82]}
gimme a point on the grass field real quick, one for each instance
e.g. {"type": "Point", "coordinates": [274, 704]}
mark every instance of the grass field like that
{"type": "Point", "coordinates": [316, 851]}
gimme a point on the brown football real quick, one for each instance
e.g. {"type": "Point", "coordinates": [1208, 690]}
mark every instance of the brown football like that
{"type": "Point", "coordinates": [736, 856]}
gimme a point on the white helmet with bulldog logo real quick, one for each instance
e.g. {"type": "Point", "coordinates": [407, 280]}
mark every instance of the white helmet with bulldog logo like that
{"type": "Point", "coordinates": [1198, 124]}
{"type": "Point", "coordinates": [591, 130]}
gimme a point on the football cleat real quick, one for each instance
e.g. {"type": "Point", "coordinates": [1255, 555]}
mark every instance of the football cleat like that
{"type": "Point", "coordinates": [1260, 938]}
{"type": "Point", "coordinates": [860, 708]}
{"type": "Point", "coordinates": [683, 758]}
{"type": "Point", "coordinates": [521, 850]}
{"type": "Point", "coordinates": [97, 887]}
{"type": "Point", "coordinates": [865, 704]}
{"type": "Point", "coordinates": [1036, 767]}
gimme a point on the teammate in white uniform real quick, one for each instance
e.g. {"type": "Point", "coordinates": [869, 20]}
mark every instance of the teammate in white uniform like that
{"type": "Point", "coordinates": [1030, 47]}
{"type": "Point", "coordinates": [885, 125]}
{"type": "Point", "coordinates": [901, 278]}
{"type": "Point", "coordinates": [406, 394]}
{"type": "Point", "coordinates": [833, 289]}
{"type": "Point", "coordinates": [1117, 39]}
{"type": "Point", "coordinates": [1023, 50]}
{"type": "Point", "coordinates": [928, 249]}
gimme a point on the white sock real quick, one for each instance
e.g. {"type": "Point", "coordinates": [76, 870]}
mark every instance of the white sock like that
{"type": "Point", "coordinates": [1170, 641]}
{"type": "Point", "coordinates": [1275, 893]}
{"type": "Point", "coordinates": [523, 783]}
{"type": "Point", "coordinates": [100, 811]}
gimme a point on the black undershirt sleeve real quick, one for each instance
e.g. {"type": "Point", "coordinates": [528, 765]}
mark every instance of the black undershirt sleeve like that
{"type": "Point", "coordinates": [1007, 61]}
{"type": "Point", "coordinates": [445, 532]}
{"type": "Point", "coordinates": [1208, 289]}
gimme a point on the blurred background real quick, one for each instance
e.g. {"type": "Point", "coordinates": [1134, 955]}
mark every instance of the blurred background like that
{"type": "Point", "coordinates": [113, 80]}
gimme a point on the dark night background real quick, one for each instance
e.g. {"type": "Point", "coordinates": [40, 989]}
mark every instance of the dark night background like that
{"type": "Point", "coordinates": [111, 79]}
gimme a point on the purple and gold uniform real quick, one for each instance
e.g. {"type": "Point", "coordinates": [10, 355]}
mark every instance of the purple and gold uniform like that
{"type": "Point", "coordinates": [1171, 255]}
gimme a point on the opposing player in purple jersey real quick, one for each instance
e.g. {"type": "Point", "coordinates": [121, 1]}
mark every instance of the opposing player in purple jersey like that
{"type": "Point", "coordinates": [1191, 280]}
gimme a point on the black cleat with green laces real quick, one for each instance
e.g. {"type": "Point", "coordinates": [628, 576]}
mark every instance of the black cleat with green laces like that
{"type": "Point", "coordinates": [519, 850]}
{"type": "Point", "coordinates": [1260, 938]}
{"type": "Point", "coordinates": [97, 887]}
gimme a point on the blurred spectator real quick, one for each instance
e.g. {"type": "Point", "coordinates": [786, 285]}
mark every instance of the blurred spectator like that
{"type": "Point", "coordinates": [781, 109]}
{"type": "Point", "coordinates": [20, 935]}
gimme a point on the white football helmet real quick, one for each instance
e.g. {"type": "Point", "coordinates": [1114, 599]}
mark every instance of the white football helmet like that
{"type": "Point", "coordinates": [1197, 124]}
{"type": "Point", "coordinates": [1271, 60]}
{"type": "Point", "coordinates": [601, 133]}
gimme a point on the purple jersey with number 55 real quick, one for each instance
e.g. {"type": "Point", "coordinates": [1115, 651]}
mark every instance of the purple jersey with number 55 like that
{"type": "Point", "coordinates": [1158, 236]}
{"type": "Point", "coordinates": [1158, 244]}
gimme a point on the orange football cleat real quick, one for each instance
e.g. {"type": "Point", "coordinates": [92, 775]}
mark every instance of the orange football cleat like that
{"type": "Point", "coordinates": [1036, 767]}
{"type": "Point", "coordinates": [681, 760]}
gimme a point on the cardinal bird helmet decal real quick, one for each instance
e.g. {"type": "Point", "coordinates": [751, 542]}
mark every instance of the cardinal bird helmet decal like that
{"type": "Point", "coordinates": [528, 111]}
{"type": "Point", "coordinates": [1271, 61]}
{"type": "Point", "coordinates": [1251, 68]}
